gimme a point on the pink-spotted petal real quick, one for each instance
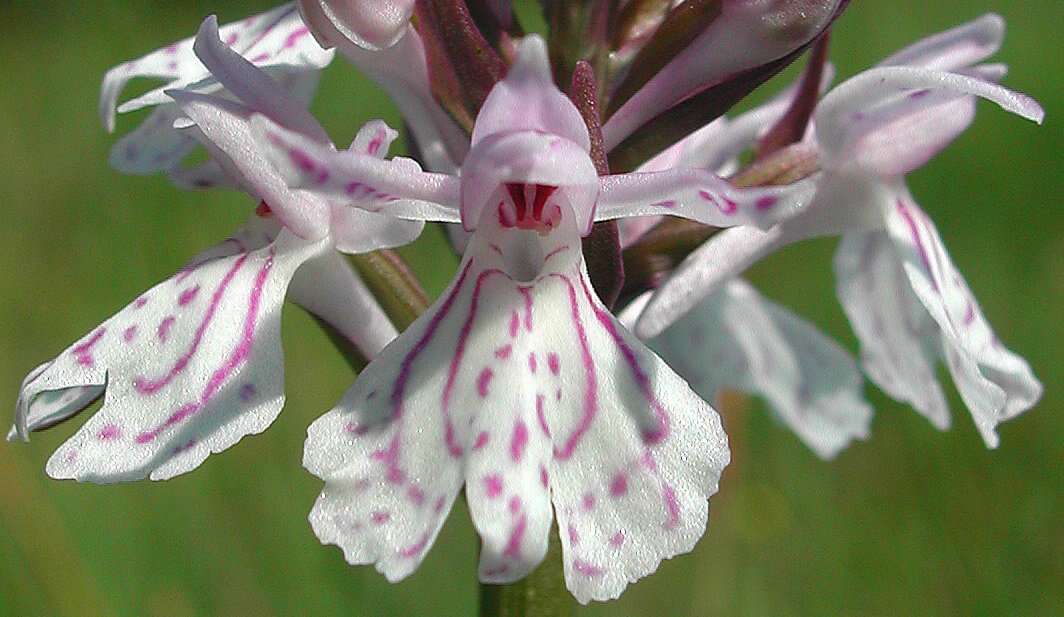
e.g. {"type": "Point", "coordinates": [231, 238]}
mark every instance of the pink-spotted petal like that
{"type": "Point", "coordinates": [370, 25]}
{"type": "Point", "coordinates": [995, 383]}
{"type": "Point", "coordinates": [699, 195]}
{"type": "Point", "coordinates": [637, 453]}
{"type": "Point", "coordinates": [190, 367]}
{"type": "Point", "coordinates": [955, 48]}
{"type": "Point", "coordinates": [397, 187]}
{"type": "Point", "coordinates": [739, 340]}
{"type": "Point", "coordinates": [840, 118]}
{"type": "Point", "coordinates": [276, 39]}
{"type": "Point", "coordinates": [528, 100]}
{"type": "Point", "coordinates": [387, 451]}
{"type": "Point", "coordinates": [899, 345]}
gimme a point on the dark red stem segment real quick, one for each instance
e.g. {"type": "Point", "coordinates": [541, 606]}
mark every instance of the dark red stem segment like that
{"type": "Point", "coordinates": [463, 66]}
{"type": "Point", "coordinates": [791, 126]}
{"type": "Point", "coordinates": [602, 247]}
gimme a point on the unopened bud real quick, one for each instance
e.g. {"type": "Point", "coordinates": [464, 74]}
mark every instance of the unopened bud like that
{"type": "Point", "coordinates": [370, 25]}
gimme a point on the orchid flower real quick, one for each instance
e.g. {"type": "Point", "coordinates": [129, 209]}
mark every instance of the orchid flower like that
{"type": "Point", "coordinates": [277, 41]}
{"type": "Point", "coordinates": [737, 339]}
{"type": "Point", "coordinates": [194, 364]}
{"type": "Point", "coordinates": [907, 302]}
{"type": "Point", "coordinates": [518, 383]}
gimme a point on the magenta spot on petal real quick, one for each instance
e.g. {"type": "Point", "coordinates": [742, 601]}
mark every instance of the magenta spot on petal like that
{"type": "Point", "coordinates": [247, 392]}
{"type": "Point", "coordinates": [588, 501]}
{"type": "Point", "coordinates": [558, 394]}
{"type": "Point", "coordinates": [766, 202]}
{"type": "Point", "coordinates": [374, 145]}
{"type": "Point", "coordinates": [515, 504]}
{"type": "Point", "coordinates": [724, 204]}
{"type": "Point", "coordinates": [109, 432]}
{"type": "Point", "coordinates": [308, 165]}
{"type": "Point", "coordinates": [232, 38]}
{"type": "Point", "coordinates": [83, 351]}
{"type": "Point", "coordinates": [544, 478]}
{"type": "Point", "coordinates": [501, 569]}
{"type": "Point", "coordinates": [532, 362]}
{"type": "Point", "coordinates": [617, 539]}
{"type": "Point", "coordinates": [574, 536]}
{"type": "Point", "coordinates": [416, 548]}
{"type": "Point", "coordinates": [188, 295]}
{"type": "Point", "coordinates": [919, 94]}
{"type": "Point", "coordinates": [672, 506]}
{"type": "Point", "coordinates": [164, 327]}
{"type": "Point", "coordinates": [438, 507]}
{"type": "Point", "coordinates": [141, 301]}
{"type": "Point", "coordinates": [515, 324]}
{"type": "Point", "coordinates": [395, 475]}
{"type": "Point", "coordinates": [969, 314]}
{"type": "Point", "coordinates": [619, 485]}
{"type": "Point", "coordinates": [586, 568]}
{"type": "Point", "coordinates": [554, 363]}
{"type": "Point", "coordinates": [493, 485]}
{"type": "Point", "coordinates": [518, 441]}
{"type": "Point", "coordinates": [264, 56]}
{"type": "Point", "coordinates": [416, 495]}
{"type": "Point", "coordinates": [352, 187]}
{"type": "Point", "coordinates": [380, 518]}
{"type": "Point", "coordinates": [482, 440]}
{"type": "Point", "coordinates": [294, 37]}
{"type": "Point", "coordinates": [503, 352]}
{"type": "Point", "coordinates": [483, 380]}
{"type": "Point", "coordinates": [129, 334]}
{"type": "Point", "coordinates": [513, 545]}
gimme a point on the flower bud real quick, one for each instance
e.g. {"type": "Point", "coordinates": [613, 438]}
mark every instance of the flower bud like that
{"type": "Point", "coordinates": [370, 25]}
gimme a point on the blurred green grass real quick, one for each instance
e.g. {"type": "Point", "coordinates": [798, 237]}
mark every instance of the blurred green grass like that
{"type": "Point", "coordinates": [911, 522]}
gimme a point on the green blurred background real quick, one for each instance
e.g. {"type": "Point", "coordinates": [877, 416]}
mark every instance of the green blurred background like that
{"type": "Point", "coordinates": [911, 522]}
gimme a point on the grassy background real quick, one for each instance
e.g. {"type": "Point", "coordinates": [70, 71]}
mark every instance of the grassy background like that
{"type": "Point", "coordinates": [911, 522]}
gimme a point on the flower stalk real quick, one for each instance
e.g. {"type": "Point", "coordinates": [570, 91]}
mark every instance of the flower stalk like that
{"type": "Point", "coordinates": [541, 594]}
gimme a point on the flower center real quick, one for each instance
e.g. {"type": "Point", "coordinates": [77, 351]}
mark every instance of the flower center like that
{"type": "Point", "coordinates": [528, 208]}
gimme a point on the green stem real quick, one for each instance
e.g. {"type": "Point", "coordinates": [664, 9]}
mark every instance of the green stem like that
{"type": "Point", "coordinates": [540, 594]}
{"type": "Point", "coordinates": [393, 284]}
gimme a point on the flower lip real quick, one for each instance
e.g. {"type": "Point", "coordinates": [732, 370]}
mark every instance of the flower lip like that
{"type": "Point", "coordinates": [528, 158]}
